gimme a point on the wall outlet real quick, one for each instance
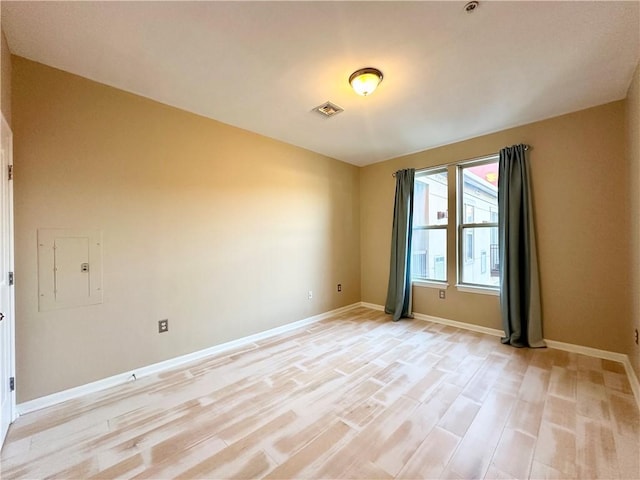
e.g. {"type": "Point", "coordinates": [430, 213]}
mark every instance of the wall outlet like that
{"type": "Point", "coordinates": [442, 294]}
{"type": "Point", "coordinates": [339, 287]}
{"type": "Point", "coordinates": [163, 325]}
{"type": "Point", "coordinates": [310, 294]}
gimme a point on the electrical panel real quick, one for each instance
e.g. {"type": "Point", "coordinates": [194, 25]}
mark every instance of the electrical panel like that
{"type": "Point", "coordinates": [69, 268]}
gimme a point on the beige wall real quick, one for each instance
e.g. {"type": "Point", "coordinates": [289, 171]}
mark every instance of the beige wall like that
{"type": "Point", "coordinates": [224, 231]}
{"type": "Point", "coordinates": [633, 143]}
{"type": "Point", "coordinates": [5, 78]}
{"type": "Point", "coordinates": [580, 192]}
{"type": "Point", "coordinates": [220, 230]}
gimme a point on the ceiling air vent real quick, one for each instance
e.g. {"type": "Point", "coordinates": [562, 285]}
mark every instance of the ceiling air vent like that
{"type": "Point", "coordinates": [328, 109]}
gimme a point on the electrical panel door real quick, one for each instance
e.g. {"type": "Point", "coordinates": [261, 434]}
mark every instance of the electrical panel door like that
{"type": "Point", "coordinates": [69, 268]}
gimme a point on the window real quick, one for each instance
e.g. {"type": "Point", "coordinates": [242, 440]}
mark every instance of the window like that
{"type": "Point", "coordinates": [478, 223]}
{"type": "Point", "coordinates": [430, 220]}
{"type": "Point", "coordinates": [468, 246]}
{"type": "Point", "coordinates": [469, 213]}
{"type": "Point", "coordinates": [476, 229]}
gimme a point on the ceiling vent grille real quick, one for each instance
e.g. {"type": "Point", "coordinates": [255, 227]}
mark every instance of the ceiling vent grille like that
{"type": "Point", "coordinates": [328, 109]}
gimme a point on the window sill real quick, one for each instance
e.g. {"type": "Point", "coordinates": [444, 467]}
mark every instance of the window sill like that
{"type": "Point", "coordinates": [481, 290]}
{"type": "Point", "coordinates": [430, 284]}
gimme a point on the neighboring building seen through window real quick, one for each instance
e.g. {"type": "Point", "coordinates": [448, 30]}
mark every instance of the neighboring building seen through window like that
{"type": "Point", "coordinates": [430, 220]}
{"type": "Point", "coordinates": [478, 224]}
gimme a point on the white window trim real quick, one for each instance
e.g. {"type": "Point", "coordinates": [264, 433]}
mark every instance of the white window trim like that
{"type": "Point", "coordinates": [467, 288]}
{"type": "Point", "coordinates": [429, 284]}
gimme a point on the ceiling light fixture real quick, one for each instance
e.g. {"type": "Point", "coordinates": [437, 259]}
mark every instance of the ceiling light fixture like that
{"type": "Point", "coordinates": [471, 6]}
{"type": "Point", "coordinates": [365, 80]}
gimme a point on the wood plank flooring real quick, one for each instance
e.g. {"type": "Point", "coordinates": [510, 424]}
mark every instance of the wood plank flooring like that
{"type": "Point", "coordinates": [353, 396]}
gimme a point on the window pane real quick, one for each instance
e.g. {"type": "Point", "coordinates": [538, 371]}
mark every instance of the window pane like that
{"type": "Point", "coordinates": [480, 193]}
{"type": "Point", "coordinates": [481, 261]}
{"type": "Point", "coordinates": [469, 213]}
{"type": "Point", "coordinates": [430, 199]}
{"type": "Point", "coordinates": [429, 255]}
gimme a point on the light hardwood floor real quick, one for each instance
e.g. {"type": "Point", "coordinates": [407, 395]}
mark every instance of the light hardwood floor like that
{"type": "Point", "coordinates": [354, 396]}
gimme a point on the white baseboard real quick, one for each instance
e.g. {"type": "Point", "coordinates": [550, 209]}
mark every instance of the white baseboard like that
{"type": "Point", "coordinates": [633, 379]}
{"type": "Point", "coordinates": [372, 306]}
{"type": "Point", "coordinates": [444, 321]}
{"type": "Point", "coordinates": [567, 347]}
{"type": "Point", "coordinates": [119, 379]}
{"type": "Point", "coordinates": [606, 355]}
{"type": "Point", "coordinates": [592, 352]}
{"type": "Point", "coordinates": [453, 323]}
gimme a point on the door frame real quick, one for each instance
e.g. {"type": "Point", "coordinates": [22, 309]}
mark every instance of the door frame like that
{"type": "Point", "coordinates": [10, 310]}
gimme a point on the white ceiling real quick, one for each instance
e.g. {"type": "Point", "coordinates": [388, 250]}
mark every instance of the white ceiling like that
{"type": "Point", "coordinates": [263, 66]}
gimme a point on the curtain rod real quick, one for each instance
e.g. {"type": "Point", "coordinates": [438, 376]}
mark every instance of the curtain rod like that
{"type": "Point", "coordinates": [458, 162]}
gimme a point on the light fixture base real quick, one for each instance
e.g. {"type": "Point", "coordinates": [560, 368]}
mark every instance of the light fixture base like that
{"type": "Point", "coordinates": [471, 6]}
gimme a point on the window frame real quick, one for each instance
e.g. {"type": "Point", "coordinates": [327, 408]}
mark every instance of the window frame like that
{"type": "Point", "coordinates": [462, 226]}
{"type": "Point", "coordinates": [445, 227]}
